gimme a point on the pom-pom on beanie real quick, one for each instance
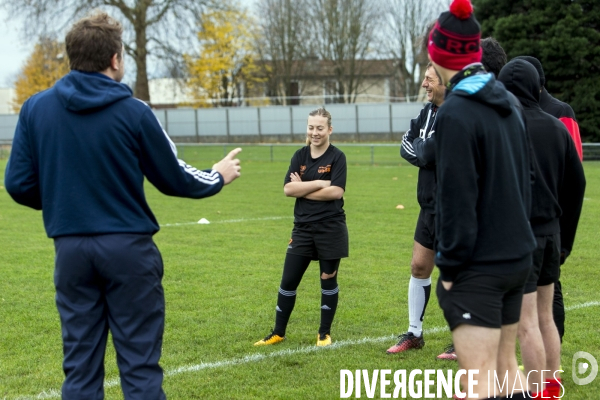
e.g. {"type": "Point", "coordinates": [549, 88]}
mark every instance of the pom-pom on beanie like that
{"type": "Point", "coordinates": [454, 40]}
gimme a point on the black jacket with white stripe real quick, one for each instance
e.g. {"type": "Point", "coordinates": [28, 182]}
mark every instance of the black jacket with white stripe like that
{"type": "Point", "coordinates": [418, 149]}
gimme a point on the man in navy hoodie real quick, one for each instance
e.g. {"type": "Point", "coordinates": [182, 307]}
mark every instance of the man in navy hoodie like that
{"type": "Point", "coordinates": [80, 153]}
{"type": "Point", "coordinates": [482, 207]}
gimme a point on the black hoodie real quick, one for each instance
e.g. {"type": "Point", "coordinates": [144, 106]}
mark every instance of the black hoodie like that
{"type": "Point", "coordinates": [483, 188]}
{"type": "Point", "coordinates": [557, 193]}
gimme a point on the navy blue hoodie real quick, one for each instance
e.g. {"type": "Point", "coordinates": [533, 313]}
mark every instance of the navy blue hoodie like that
{"type": "Point", "coordinates": [484, 185]}
{"type": "Point", "coordinates": [81, 151]}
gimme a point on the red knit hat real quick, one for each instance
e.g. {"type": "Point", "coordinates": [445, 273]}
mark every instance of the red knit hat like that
{"type": "Point", "coordinates": [454, 40]}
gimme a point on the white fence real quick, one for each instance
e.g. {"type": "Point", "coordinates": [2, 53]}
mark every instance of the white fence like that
{"type": "Point", "coordinates": [272, 124]}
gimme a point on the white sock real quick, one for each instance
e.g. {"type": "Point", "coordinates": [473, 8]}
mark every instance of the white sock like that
{"type": "Point", "coordinates": [418, 296]}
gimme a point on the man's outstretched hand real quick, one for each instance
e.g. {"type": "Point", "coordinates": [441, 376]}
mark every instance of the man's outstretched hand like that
{"type": "Point", "coordinates": [229, 166]}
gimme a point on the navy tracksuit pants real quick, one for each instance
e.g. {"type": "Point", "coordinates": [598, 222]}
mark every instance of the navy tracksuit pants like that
{"type": "Point", "coordinates": [110, 282]}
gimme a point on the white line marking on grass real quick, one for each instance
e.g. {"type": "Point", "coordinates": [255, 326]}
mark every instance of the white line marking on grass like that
{"type": "Point", "coordinates": [53, 393]}
{"type": "Point", "coordinates": [288, 352]}
{"type": "Point", "coordinates": [229, 221]}
{"type": "Point", "coordinates": [583, 305]}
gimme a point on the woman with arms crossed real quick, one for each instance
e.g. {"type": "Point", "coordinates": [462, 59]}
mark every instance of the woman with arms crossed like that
{"type": "Point", "coordinates": [317, 179]}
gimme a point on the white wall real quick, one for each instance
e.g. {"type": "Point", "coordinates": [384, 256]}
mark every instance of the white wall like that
{"type": "Point", "coordinates": [6, 97]}
{"type": "Point", "coordinates": [167, 91]}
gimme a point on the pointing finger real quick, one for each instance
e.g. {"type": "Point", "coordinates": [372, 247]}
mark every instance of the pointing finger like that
{"type": "Point", "coordinates": [233, 153]}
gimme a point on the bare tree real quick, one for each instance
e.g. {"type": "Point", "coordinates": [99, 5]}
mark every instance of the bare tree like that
{"type": "Point", "coordinates": [158, 28]}
{"type": "Point", "coordinates": [344, 32]}
{"type": "Point", "coordinates": [406, 28]}
{"type": "Point", "coordinates": [283, 46]}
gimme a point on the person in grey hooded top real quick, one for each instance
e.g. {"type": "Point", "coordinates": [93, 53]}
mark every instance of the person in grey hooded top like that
{"type": "Point", "coordinates": [80, 153]}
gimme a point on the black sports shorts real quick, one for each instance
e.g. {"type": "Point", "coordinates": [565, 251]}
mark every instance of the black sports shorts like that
{"type": "Point", "coordinates": [546, 262]}
{"type": "Point", "coordinates": [483, 299]}
{"type": "Point", "coordinates": [425, 230]}
{"type": "Point", "coordinates": [324, 240]}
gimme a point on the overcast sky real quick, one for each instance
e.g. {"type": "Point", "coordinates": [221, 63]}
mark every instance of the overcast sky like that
{"type": "Point", "coordinates": [15, 51]}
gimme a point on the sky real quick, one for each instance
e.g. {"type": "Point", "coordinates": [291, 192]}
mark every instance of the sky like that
{"type": "Point", "coordinates": [14, 51]}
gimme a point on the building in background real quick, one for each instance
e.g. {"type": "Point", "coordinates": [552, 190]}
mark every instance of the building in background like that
{"type": "Point", "coordinates": [7, 96]}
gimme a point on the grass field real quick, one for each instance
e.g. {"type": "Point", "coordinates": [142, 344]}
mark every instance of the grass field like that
{"type": "Point", "coordinates": [221, 282]}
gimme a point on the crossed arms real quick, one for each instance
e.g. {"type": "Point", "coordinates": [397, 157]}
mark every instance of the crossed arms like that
{"type": "Point", "coordinates": [313, 190]}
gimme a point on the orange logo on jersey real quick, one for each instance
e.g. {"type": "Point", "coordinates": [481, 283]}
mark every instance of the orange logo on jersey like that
{"type": "Point", "coordinates": [324, 169]}
{"type": "Point", "coordinates": [302, 170]}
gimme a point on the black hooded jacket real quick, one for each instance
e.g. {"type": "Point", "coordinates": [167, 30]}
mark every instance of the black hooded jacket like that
{"type": "Point", "coordinates": [557, 193]}
{"type": "Point", "coordinates": [484, 186]}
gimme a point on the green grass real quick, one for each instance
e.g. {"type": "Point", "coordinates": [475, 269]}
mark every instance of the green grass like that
{"type": "Point", "coordinates": [221, 282]}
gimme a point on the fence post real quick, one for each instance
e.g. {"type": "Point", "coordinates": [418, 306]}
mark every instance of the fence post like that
{"type": "Point", "coordinates": [259, 125]}
{"type": "Point", "coordinates": [166, 121]}
{"type": "Point", "coordinates": [391, 124]}
{"type": "Point", "coordinates": [227, 122]}
{"type": "Point", "coordinates": [372, 155]}
{"type": "Point", "coordinates": [196, 125]}
{"type": "Point", "coordinates": [356, 118]}
{"type": "Point", "coordinates": [292, 124]}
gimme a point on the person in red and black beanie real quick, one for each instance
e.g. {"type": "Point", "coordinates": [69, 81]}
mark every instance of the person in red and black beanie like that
{"type": "Point", "coordinates": [484, 240]}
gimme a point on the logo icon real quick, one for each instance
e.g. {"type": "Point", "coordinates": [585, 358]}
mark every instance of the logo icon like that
{"type": "Point", "coordinates": [467, 315]}
{"type": "Point", "coordinates": [579, 368]}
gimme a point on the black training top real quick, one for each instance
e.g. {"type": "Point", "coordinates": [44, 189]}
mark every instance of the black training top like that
{"type": "Point", "coordinates": [331, 166]}
{"type": "Point", "coordinates": [484, 183]}
{"type": "Point", "coordinates": [558, 190]}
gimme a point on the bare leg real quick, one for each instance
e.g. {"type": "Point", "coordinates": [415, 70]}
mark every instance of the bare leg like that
{"type": "Point", "coordinates": [507, 361]}
{"type": "Point", "coordinates": [548, 328]}
{"type": "Point", "coordinates": [421, 265]}
{"type": "Point", "coordinates": [477, 348]}
{"type": "Point", "coordinates": [532, 346]}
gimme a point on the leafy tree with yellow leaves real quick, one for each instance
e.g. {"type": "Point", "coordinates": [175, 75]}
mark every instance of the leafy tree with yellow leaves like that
{"type": "Point", "coordinates": [47, 63]}
{"type": "Point", "coordinates": [225, 68]}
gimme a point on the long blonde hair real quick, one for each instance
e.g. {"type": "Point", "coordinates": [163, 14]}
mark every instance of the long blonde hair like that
{"type": "Point", "coordinates": [319, 112]}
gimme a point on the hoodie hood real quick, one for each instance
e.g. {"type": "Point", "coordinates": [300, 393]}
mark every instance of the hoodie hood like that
{"type": "Point", "coordinates": [80, 91]}
{"type": "Point", "coordinates": [521, 79]}
{"type": "Point", "coordinates": [484, 88]}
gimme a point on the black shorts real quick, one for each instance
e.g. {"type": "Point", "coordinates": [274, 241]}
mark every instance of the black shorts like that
{"type": "Point", "coordinates": [425, 230]}
{"type": "Point", "coordinates": [483, 299]}
{"type": "Point", "coordinates": [546, 262]}
{"type": "Point", "coordinates": [325, 240]}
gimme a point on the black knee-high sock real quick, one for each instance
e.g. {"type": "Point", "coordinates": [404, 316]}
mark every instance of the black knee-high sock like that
{"type": "Point", "coordinates": [329, 295]}
{"type": "Point", "coordinates": [293, 270]}
{"type": "Point", "coordinates": [558, 310]}
{"type": "Point", "coordinates": [329, 302]}
{"type": "Point", "coordinates": [285, 305]}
